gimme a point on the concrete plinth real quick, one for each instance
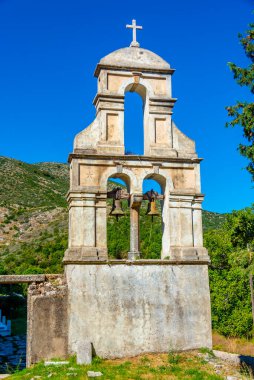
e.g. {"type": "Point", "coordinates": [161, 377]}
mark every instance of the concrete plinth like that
{"type": "Point", "coordinates": [125, 310]}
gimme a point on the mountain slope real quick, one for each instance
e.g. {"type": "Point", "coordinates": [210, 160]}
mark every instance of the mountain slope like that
{"type": "Point", "coordinates": [33, 185]}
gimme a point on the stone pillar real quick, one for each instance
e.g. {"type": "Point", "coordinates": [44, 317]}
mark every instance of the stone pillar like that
{"type": "Point", "coordinates": [101, 225]}
{"type": "Point", "coordinates": [186, 228]}
{"type": "Point", "coordinates": [134, 234]}
{"type": "Point", "coordinates": [83, 216]}
{"type": "Point", "coordinates": [197, 222]}
{"type": "Point", "coordinates": [175, 225]}
{"type": "Point", "coordinates": [159, 132]}
{"type": "Point", "coordinates": [166, 238]}
{"type": "Point", "coordinates": [186, 221]}
{"type": "Point", "coordinates": [82, 220]}
{"type": "Point", "coordinates": [135, 203]}
{"type": "Point", "coordinates": [110, 114]}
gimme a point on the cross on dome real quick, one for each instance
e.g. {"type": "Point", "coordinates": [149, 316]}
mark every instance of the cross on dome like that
{"type": "Point", "coordinates": [134, 28]}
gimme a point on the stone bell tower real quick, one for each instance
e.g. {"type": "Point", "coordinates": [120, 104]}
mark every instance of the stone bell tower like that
{"type": "Point", "coordinates": [124, 307]}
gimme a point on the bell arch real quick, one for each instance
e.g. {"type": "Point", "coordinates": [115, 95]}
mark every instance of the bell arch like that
{"type": "Point", "coordinates": [165, 184]}
{"type": "Point", "coordinates": [122, 176]}
{"type": "Point", "coordinates": [141, 87]}
{"type": "Point", "coordinates": [118, 221]}
{"type": "Point", "coordinates": [133, 124]}
{"type": "Point", "coordinates": [141, 90]}
{"type": "Point", "coordinates": [126, 175]}
{"type": "Point", "coordinates": [159, 178]}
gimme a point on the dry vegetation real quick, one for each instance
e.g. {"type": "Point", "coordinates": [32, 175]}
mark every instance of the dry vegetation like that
{"type": "Point", "coordinates": [233, 345]}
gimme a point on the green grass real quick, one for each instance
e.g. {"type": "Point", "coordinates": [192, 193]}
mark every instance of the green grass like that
{"type": "Point", "coordinates": [208, 351]}
{"type": "Point", "coordinates": [142, 367]}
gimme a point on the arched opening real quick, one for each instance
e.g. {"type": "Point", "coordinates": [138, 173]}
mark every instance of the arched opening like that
{"type": "Point", "coordinates": [151, 227]}
{"type": "Point", "coordinates": [134, 109]}
{"type": "Point", "coordinates": [150, 183]}
{"type": "Point", "coordinates": [118, 229]}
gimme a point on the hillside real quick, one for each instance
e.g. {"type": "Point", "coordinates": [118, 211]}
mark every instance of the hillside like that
{"type": "Point", "coordinates": [34, 219]}
{"type": "Point", "coordinates": [212, 220]}
{"type": "Point", "coordinates": [32, 185]}
{"type": "Point", "coordinates": [32, 197]}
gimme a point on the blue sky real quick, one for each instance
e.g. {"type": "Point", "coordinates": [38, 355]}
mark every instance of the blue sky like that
{"type": "Point", "coordinates": [49, 50]}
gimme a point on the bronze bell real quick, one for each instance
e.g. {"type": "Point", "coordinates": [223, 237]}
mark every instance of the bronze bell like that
{"type": "Point", "coordinates": [151, 209]}
{"type": "Point", "coordinates": [116, 209]}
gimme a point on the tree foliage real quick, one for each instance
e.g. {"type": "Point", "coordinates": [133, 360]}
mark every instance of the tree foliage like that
{"type": "Point", "coordinates": [43, 256]}
{"type": "Point", "coordinates": [231, 251]}
{"type": "Point", "coordinates": [242, 113]}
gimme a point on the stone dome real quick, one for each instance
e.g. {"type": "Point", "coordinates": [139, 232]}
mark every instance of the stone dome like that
{"type": "Point", "coordinates": [134, 58]}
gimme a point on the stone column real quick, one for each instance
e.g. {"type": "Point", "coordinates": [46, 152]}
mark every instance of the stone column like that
{"type": "Point", "coordinates": [110, 114]}
{"type": "Point", "coordinates": [175, 221]}
{"type": "Point", "coordinates": [101, 225]}
{"type": "Point", "coordinates": [197, 222]}
{"type": "Point", "coordinates": [197, 227]}
{"type": "Point", "coordinates": [82, 227]}
{"type": "Point", "coordinates": [186, 228]}
{"type": "Point", "coordinates": [166, 238]}
{"type": "Point", "coordinates": [134, 253]}
{"type": "Point", "coordinates": [181, 227]}
{"type": "Point", "coordinates": [134, 234]}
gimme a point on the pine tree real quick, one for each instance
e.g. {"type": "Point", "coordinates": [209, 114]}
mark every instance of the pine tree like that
{"type": "Point", "coordinates": [242, 113]}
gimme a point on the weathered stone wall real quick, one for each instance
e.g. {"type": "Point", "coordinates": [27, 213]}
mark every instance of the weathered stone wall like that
{"type": "Point", "coordinates": [129, 308]}
{"type": "Point", "coordinates": [47, 320]}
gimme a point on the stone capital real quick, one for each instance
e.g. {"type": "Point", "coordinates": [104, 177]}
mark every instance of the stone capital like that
{"type": "Point", "coordinates": [135, 200]}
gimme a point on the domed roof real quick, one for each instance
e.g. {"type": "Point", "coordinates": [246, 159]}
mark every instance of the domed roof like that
{"type": "Point", "coordinates": [134, 58]}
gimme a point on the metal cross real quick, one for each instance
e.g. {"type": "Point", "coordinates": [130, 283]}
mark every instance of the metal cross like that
{"type": "Point", "coordinates": [134, 28]}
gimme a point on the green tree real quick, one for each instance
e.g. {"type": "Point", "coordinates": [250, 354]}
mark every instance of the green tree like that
{"type": "Point", "coordinates": [232, 265]}
{"type": "Point", "coordinates": [242, 113]}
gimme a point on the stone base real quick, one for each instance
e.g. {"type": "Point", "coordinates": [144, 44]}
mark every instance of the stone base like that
{"type": "Point", "coordinates": [133, 255]}
{"type": "Point", "coordinates": [80, 254]}
{"type": "Point", "coordinates": [125, 310]}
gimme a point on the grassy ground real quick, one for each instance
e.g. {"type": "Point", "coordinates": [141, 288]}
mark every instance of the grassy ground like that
{"type": "Point", "coordinates": [192, 365]}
